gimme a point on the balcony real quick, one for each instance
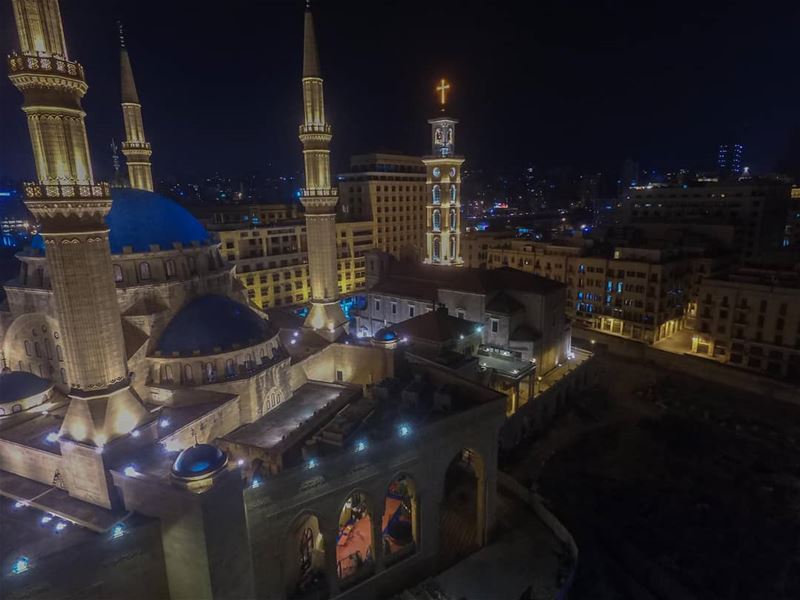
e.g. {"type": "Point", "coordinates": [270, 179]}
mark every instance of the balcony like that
{"type": "Point", "coordinates": [24, 69]}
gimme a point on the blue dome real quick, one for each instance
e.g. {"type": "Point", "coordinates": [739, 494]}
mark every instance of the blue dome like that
{"type": "Point", "coordinates": [385, 335]}
{"type": "Point", "coordinates": [139, 218]}
{"type": "Point", "coordinates": [199, 460]}
{"type": "Point", "coordinates": [210, 322]}
{"type": "Point", "coordinates": [18, 385]}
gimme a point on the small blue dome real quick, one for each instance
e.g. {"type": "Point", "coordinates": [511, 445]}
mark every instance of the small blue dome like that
{"type": "Point", "coordinates": [18, 385]}
{"type": "Point", "coordinates": [210, 322]}
{"type": "Point", "coordinates": [139, 218]}
{"type": "Point", "coordinates": [385, 335]}
{"type": "Point", "coordinates": [199, 460]}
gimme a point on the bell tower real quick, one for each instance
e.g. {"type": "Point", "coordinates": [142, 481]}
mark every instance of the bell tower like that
{"type": "Point", "coordinates": [71, 208]}
{"type": "Point", "coordinates": [443, 212]}
{"type": "Point", "coordinates": [325, 315]}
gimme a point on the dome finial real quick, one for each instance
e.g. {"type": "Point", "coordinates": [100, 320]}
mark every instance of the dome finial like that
{"type": "Point", "coordinates": [121, 34]}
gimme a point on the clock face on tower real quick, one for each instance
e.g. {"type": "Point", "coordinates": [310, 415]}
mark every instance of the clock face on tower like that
{"type": "Point", "coordinates": [437, 172]}
{"type": "Point", "coordinates": [452, 171]}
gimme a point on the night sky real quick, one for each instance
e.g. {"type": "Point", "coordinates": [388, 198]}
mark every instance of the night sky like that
{"type": "Point", "coordinates": [550, 83]}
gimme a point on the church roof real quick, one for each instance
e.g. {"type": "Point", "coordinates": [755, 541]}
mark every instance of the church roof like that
{"type": "Point", "coordinates": [435, 326]}
{"type": "Point", "coordinates": [140, 219]}
{"type": "Point", "coordinates": [18, 385]}
{"type": "Point", "coordinates": [212, 324]}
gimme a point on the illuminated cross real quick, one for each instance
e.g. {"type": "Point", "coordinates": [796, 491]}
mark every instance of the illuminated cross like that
{"type": "Point", "coordinates": [442, 89]}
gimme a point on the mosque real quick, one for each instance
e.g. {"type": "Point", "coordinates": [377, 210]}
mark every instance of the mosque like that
{"type": "Point", "coordinates": [183, 444]}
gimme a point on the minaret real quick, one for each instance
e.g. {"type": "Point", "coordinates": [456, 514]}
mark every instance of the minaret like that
{"type": "Point", "coordinates": [319, 199]}
{"type": "Point", "coordinates": [71, 208]}
{"type": "Point", "coordinates": [443, 224]}
{"type": "Point", "coordinates": [135, 147]}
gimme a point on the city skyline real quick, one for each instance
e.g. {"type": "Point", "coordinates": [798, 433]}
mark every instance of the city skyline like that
{"type": "Point", "coordinates": [580, 103]}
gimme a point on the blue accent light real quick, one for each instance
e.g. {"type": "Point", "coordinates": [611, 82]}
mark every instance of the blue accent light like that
{"type": "Point", "coordinates": [20, 565]}
{"type": "Point", "coordinates": [201, 459]}
{"type": "Point", "coordinates": [361, 445]}
{"type": "Point", "coordinates": [117, 531]}
{"type": "Point", "coordinates": [404, 430]}
{"type": "Point", "coordinates": [256, 483]}
{"type": "Point", "coordinates": [312, 463]}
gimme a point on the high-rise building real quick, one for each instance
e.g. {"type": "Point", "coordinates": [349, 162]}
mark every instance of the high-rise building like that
{"type": "Point", "coordinates": [136, 148]}
{"type": "Point", "coordinates": [729, 160]}
{"type": "Point", "coordinates": [71, 208]}
{"type": "Point", "coordinates": [443, 212]}
{"type": "Point", "coordinates": [325, 315]}
{"type": "Point", "coordinates": [390, 191]}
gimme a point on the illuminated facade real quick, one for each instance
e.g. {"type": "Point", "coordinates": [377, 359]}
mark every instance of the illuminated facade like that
{"type": "Point", "coordinates": [645, 294]}
{"type": "Point", "coordinates": [391, 191]}
{"type": "Point", "coordinates": [272, 261]}
{"type": "Point", "coordinates": [750, 318]}
{"type": "Point", "coordinates": [71, 208]}
{"type": "Point", "coordinates": [136, 148]}
{"type": "Point", "coordinates": [319, 198]}
{"type": "Point", "coordinates": [443, 212]}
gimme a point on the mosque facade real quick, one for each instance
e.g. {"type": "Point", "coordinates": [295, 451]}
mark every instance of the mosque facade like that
{"type": "Point", "coordinates": [240, 454]}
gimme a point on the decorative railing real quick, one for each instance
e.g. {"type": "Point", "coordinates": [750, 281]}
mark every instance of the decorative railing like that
{"type": "Point", "coordinates": [31, 63]}
{"type": "Point", "coordinates": [38, 191]}
{"type": "Point", "coordinates": [135, 146]}
{"type": "Point", "coordinates": [315, 128]}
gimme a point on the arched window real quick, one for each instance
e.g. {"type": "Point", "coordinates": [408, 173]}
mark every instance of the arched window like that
{"type": "Point", "coordinates": [400, 519]}
{"type": "Point", "coordinates": [437, 248]}
{"type": "Point", "coordinates": [304, 550]}
{"type": "Point", "coordinates": [166, 374]}
{"type": "Point", "coordinates": [230, 368]}
{"type": "Point", "coordinates": [59, 353]}
{"type": "Point", "coordinates": [210, 372]}
{"type": "Point", "coordinates": [188, 374]}
{"type": "Point", "coordinates": [170, 267]}
{"type": "Point", "coordinates": [63, 376]}
{"type": "Point", "coordinates": [453, 193]}
{"type": "Point", "coordinates": [27, 347]}
{"type": "Point", "coordinates": [37, 350]}
{"type": "Point", "coordinates": [48, 349]}
{"type": "Point", "coordinates": [453, 220]}
{"type": "Point", "coordinates": [192, 265]}
{"type": "Point", "coordinates": [144, 271]}
{"type": "Point", "coordinates": [437, 220]}
{"type": "Point", "coordinates": [117, 274]}
{"type": "Point", "coordinates": [437, 194]}
{"type": "Point", "coordinates": [452, 247]}
{"type": "Point", "coordinates": [354, 550]}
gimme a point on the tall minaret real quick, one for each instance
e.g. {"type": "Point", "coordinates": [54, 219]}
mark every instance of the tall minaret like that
{"type": "Point", "coordinates": [71, 208]}
{"type": "Point", "coordinates": [443, 224]}
{"type": "Point", "coordinates": [319, 199]}
{"type": "Point", "coordinates": [135, 147]}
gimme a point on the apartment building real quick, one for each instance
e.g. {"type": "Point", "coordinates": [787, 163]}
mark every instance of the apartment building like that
{"type": "Point", "coordinates": [272, 261]}
{"type": "Point", "coordinates": [755, 209]}
{"type": "Point", "coordinates": [389, 190]}
{"type": "Point", "coordinates": [643, 293]}
{"type": "Point", "coordinates": [750, 318]}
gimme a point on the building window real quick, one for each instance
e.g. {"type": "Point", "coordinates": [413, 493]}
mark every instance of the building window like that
{"type": "Point", "coordinates": [188, 375]}
{"type": "Point", "coordinates": [411, 310]}
{"type": "Point", "coordinates": [170, 266]}
{"type": "Point", "coordinates": [461, 313]}
{"type": "Point", "coordinates": [495, 325]}
{"type": "Point", "coordinates": [377, 305]}
{"type": "Point", "coordinates": [452, 193]}
{"type": "Point", "coordinates": [339, 376]}
{"type": "Point", "coordinates": [144, 271]}
{"type": "Point", "coordinates": [117, 274]}
{"type": "Point", "coordinates": [452, 219]}
{"type": "Point", "coordinates": [394, 308]}
{"type": "Point", "coordinates": [437, 220]}
{"type": "Point", "coordinates": [436, 194]}
{"type": "Point", "coordinates": [452, 246]}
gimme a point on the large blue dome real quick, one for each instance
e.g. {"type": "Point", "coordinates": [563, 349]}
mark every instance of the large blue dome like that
{"type": "Point", "coordinates": [210, 322]}
{"type": "Point", "coordinates": [18, 385]}
{"type": "Point", "coordinates": [139, 219]}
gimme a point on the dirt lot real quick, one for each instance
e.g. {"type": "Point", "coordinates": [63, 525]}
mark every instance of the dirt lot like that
{"type": "Point", "coordinates": [673, 488]}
